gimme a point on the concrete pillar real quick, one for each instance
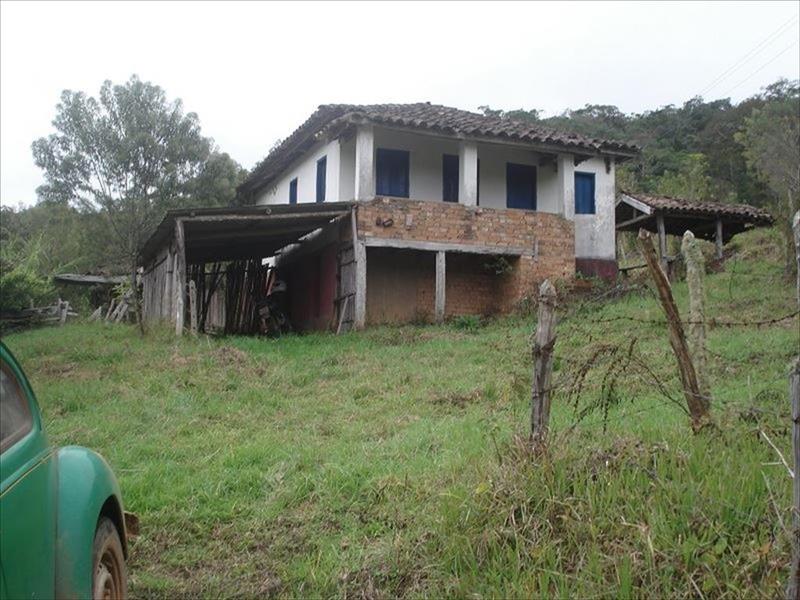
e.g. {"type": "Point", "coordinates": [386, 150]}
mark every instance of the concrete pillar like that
{"type": "Point", "coordinates": [718, 239]}
{"type": "Point", "coordinates": [440, 286]}
{"type": "Point", "coordinates": [365, 163]}
{"type": "Point", "coordinates": [360, 308]}
{"type": "Point", "coordinates": [468, 174]}
{"type": "Point", "coordinates": [565, 165]}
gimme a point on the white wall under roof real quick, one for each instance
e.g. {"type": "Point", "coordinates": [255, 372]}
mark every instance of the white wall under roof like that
{"type": "Point", "coordinates": [594, 234]}
{"type": "Point", "coordinates": [305, 170]}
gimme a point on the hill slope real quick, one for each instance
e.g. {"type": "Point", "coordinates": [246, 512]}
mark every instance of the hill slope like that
{"type": "Point", "coordinates": [389, 462]}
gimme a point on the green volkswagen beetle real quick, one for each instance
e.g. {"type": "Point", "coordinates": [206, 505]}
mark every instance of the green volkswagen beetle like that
{"type": "Point", "coordinates": [62, 525]}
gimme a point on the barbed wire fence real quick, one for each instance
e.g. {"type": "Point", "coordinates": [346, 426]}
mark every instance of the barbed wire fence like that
{"type": "Point", "coordinates": [610, 367]}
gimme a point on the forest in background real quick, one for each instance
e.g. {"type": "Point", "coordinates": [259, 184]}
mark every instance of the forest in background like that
{"type": "Point", "coordinates": [717, 150]}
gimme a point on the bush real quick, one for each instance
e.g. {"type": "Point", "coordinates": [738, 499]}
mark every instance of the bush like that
{"type": "Point", "coordinates": [21, 282]}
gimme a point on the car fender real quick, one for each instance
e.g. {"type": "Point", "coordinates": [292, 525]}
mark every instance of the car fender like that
{"type": "Point", "coordinates": [85, 484]}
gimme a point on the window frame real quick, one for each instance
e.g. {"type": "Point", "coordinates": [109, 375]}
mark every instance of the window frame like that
{"type": "Point", "coordinates": [293, 191]}
{"type": "Point", "coordinates": [588, 175]}
{"type": "Point", "coordinates": [522, 167]}
{"type": "Point", "coordinates": [450, 168]}
{"type": "Point", "coordinates": [382, 155]}
{"type": "Point", "coordinates": [28, 422]}
{"type": "Point", "coordinates": [322, 178]}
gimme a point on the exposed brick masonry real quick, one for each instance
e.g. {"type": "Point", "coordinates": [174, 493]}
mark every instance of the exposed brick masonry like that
{"type": "Point", "coordinates": [471, 288]}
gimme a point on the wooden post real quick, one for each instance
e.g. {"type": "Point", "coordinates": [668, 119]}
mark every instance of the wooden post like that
{"type": "Point", "coordinates": [193, 307]}
{"type": "Point", "coordinates": [544, 342]}
{"type": "Point", "coordinates": [793, 589]}
{"type": "Point", "coordinates": [718, 239]}
{"type": "Point", "coordinates": [440, 286]}
{"type": "Point", "coordinates": [695, 274]}
{"type": "Point", "coordinates": [697, 404]}
{"type": "Point", "coordinates": [796, 228]}
{"type": "Point", "coordinates": [179, 286]}
{"type": "Point", "coordinates": [662, 242]}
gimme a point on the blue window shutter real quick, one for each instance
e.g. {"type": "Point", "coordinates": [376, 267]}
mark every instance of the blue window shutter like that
{"type": "Point", "coordinates": [449, 177]}
{"type": "Point", "coordinates": [584, 193]}
{"type": "Point", "coordinates": [293, 191]}
{"type": "Point", "coordinates": [478, 183]}
{"type": "Point", "coordinates": [520, 186]}
{"type": "Point", "coordinates": [391, 173]}
{"type": "Point", "coordinates": [322, 164]}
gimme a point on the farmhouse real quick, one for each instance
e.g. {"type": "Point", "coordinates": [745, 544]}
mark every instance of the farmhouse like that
{"type": "Point", "coordinates": [390, 213]}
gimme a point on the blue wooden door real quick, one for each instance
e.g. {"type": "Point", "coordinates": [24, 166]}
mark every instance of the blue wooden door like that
{"type": "Point", "coordinates": [584, 193]}
{"type": "Point", "coordinates": [520, 186]}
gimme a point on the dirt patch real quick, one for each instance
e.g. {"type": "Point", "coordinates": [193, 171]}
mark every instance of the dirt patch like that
{"type": "Point", "coordinates": [228, 355]}
{"type": "Point", "coordinates": [458, 399]}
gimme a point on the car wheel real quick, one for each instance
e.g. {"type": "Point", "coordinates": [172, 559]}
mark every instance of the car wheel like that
{"type": "Point", "coordinates": [109, 577]}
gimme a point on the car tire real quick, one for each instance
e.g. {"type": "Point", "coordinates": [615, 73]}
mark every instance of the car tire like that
{"type": "Point", "coordinates": [109, 575]}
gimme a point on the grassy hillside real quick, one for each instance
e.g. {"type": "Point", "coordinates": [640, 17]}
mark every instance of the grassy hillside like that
{"type": "Point", "coordinates": [390, 462]}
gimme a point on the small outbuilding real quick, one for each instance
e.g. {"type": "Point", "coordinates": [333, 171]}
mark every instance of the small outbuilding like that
{"type": "Point", "coordinates": [712, 221]}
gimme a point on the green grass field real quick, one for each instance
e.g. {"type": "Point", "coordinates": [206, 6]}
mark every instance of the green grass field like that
{"type": "Point", "coordinates": [392, 462]}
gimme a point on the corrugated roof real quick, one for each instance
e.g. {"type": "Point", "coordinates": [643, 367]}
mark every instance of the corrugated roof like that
{"type": "Point", "coordinates": [431, 117]}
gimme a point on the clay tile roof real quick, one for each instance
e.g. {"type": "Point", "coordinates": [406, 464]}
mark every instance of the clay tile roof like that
{"type": "Point", "coordinates": [667, 204]}
{"type": "Point", "coordinates": [423, 115]}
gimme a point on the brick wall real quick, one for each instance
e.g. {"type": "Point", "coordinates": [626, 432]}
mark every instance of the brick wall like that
{"type": "Point", "coordinates": [548, 241]}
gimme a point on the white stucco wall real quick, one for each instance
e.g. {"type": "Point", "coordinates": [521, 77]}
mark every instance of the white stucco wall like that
{"type": "Point", "coordinates": [425, 160]}
{"type": "Point", "coordinates": [493, 159]}
{"type": "Point", "coordinates": [305, 169]}
{"type": "Point", "coordinates": [595, 234]}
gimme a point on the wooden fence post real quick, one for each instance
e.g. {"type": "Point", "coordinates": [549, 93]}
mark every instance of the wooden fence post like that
{"type": "Point", "coordinates": [796, 228]}
{"type": "Point", "coordinates": [793, 589]}
{"type": "Point", "coordinates": [543, 344]}
{"type": "Point", "coordinates": [697, 404]}
{"type": "Point", "coordinates": [695, 274]}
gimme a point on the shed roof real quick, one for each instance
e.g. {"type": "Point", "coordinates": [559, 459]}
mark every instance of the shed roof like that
{"type": "Point", "coordinates": [79, 279]}
{"type": "Point", "coordinates": [217, 234]}
{"type": "Point", "coordinates": [423, 116]}
{"type": "Point", "coordinates": [635, 210]}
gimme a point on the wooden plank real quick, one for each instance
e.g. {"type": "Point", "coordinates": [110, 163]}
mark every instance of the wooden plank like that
{"type": "Point", "coordinates": [179, 284]}
{"type": "Point", "coordinates": [698, 405]}
{"type": "Point", "coordinates": [441, 267]}
{"type": "Point", "coordinates": [379, 242]}
{"type": "Point", "coordinates": [342, 312]}
{"type": "Point", "coordinates": [544, 343]}
{"type": "Point", "coordinates": [193, 307]}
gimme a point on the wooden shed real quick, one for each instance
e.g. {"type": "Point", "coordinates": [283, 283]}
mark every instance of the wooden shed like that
{"type": "Point", "coordinates": [712, 221]}
{"type": "Point", "coordinates": [208, 267]}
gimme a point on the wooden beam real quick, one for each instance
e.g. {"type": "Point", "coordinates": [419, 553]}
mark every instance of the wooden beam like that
{"type": "Point", "coordinates": [633, 221]}
{"type": "Point", "coordinates": [718, 238]}
{"type": "Point", "coordinates": [440, 286]}
{"type": "Point", "coordinates": [380, 242]}
{"type": "Point", "coordinates": [634, 203]}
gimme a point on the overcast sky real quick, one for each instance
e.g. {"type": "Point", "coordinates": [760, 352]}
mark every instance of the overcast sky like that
{"type": "Point", "coordinates": [253, 72]}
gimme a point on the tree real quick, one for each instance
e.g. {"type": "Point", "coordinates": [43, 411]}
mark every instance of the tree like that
{"type": "Point", "coordinates": [771, 141]}
{"type": "Point", "coordinates": [129, 154]}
